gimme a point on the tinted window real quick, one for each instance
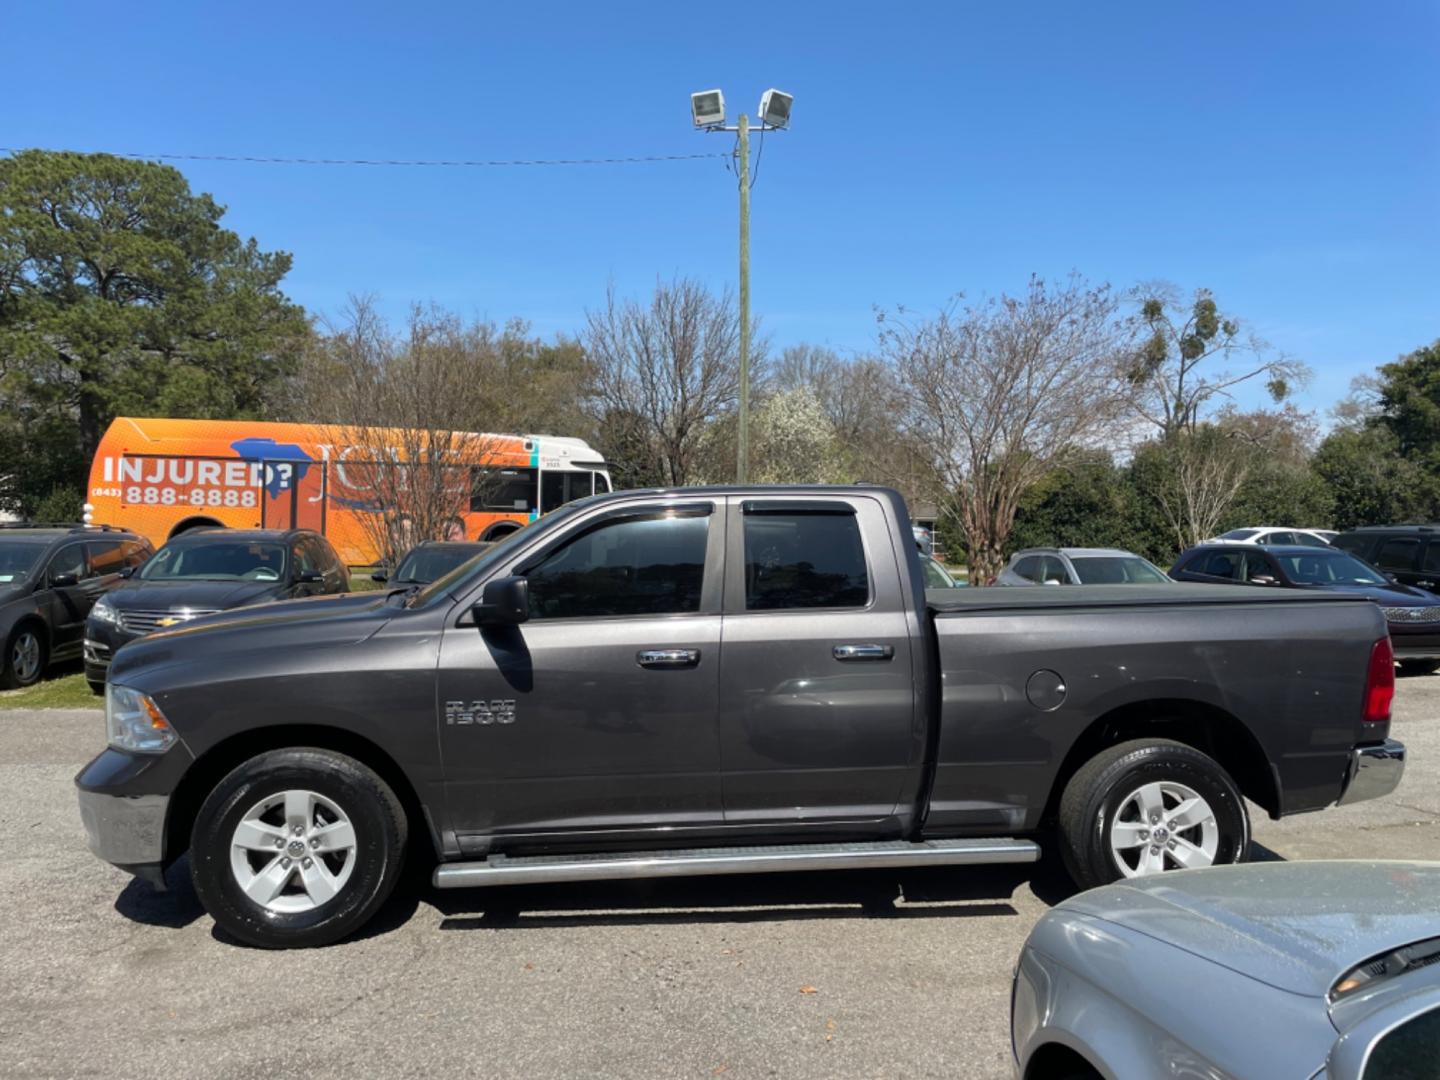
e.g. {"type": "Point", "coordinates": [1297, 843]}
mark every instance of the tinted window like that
{"type": "Point", "coordinates": [1432, 557]}
{"type": "Point", "coordinates": [512, 490]}
{"type": "Point", "coordinates": [1311, 540]}
{"type": "Point", "coordinates": [1356, 545]}
{"type": "Point", "coordinates": [220, 561]}
{"type": "Point", "coordinates": [804, 561]}
{"type": "Point", "coordinates": [1401, 554]}
{"type": "Point", "coordinates": [135, 552]}
{"type": "Point", "coordinates": [1328, 568]}
{"type": "Point", "coordinates": [1052, 569]}
{"type": "Point", "coordinates": [68, 560]}
{"type": "Point", "coordinates": [1408, 1051]}
{"type": "Point", "coordinates": [1239, 534]}
{"type": "Point", "coordinates": [17, 561]}
{"type": "Point", "coordinates": [1115, 570]}
{"type": "Point", "coordinates": [106, 557]}
{"type": "Point", "coordinates": [1257, 566]}
{"type": "Point", "coordinates": [1028, 568]}
{"type": "Point", "coordinates": [1278, 538]}
{"type": "Point", "coordinates": [635, 566]}
{"type": "Point", "coordinates": [1220, 564]}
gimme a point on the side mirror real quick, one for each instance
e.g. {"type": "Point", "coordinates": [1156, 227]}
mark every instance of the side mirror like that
{"type": "Point", "coordinates": [380, 576]}
{"type": "Point", "coordinates": [1052, 581]}
{"type": "Point", "coordinates": [64, 581]}
{"type": "Point", "coordinates": [128, 572]}
{"type": "Point", "coordinates": [309, 577]}
{"type": "Point", "coordinates": [503, 602]}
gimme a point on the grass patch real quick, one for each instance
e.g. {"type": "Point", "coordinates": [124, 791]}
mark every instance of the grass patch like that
{"type": "Point", "coordinates": [64, 689]}
{"type": "Point", "coordinates": [363, 583]}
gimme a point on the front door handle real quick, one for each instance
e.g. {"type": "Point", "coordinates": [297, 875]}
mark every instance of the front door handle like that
{"type": "Point", "coordinates": [667, 658]}
{"type": "Point", "coordinates": [863, 652]}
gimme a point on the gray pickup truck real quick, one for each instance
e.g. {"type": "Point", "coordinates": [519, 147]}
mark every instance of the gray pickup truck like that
{"type": "Point", "coordinates": [715, 681]}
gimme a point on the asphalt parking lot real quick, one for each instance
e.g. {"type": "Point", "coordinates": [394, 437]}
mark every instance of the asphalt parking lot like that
{"type": "Point", "coordinates": [818, 975]}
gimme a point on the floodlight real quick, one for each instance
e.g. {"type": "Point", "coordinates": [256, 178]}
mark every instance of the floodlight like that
{"type": "Point", "coordinates": [708, 108]}
{"type": "Point", "coordinates": [775, 108]}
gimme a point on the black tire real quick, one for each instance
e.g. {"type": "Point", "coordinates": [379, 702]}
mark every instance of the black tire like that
{"type": "Point", "coordinates": [1419, 667]}
{"type": "Point", "coordinates": [96, 688]}
{"type": "Point", "coordinates": [9, 678]}
{"type": "Point", "coordinates": [380, 831]}
{"type": "Point", "coordinates": [1099, 789]}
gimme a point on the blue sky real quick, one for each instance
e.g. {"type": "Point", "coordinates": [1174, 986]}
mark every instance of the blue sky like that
{"type": "Point", "coordinates": [1284, 155]}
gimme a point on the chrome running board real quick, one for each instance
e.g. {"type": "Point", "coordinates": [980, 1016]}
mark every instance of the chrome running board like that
{"type": "Point", "coordinates": [700, 862]}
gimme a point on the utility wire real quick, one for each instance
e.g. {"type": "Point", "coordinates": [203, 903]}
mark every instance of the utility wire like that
{"type": "Point", "coordinates": [445, 164]}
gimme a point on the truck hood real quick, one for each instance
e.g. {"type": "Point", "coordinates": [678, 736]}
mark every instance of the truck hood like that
{"type": "Point", "coordinates": [281, 628]}
{"type": "Point", "coordinates": [1295, 926]}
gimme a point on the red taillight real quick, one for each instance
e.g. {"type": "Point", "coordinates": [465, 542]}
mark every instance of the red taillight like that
{"type": "Point", "coordinates": [1380, 683]}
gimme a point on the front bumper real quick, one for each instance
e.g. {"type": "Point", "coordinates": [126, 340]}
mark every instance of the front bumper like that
{"type": "Point", "coordinates": [102, 639]}
{"type": "Point", "coordinates": [1415, 642]}
{"type": "Point", "coordinates": [124, 802]}
{"type": "Point", "coordinates": [1375, 771]}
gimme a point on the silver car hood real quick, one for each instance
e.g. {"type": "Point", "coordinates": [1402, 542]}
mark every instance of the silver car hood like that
{"type": "Point", "coordinates": [1296, 926]}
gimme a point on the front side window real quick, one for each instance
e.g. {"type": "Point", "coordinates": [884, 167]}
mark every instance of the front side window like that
{"type": "Point", "coordinates": [1328, 568]}
{"type": "Point", "coordinates": [1052, 569]}
{"type": "Point", "coordinates": [68, 560]}
{"type": "Point", "coordinates": [510, 490]}
{"type": "Point", "coordinates": [630, 566]}
{"type": "Point", "coordinates": [229, 560]}
{"type": "Point", "coordinates": [804, 560]}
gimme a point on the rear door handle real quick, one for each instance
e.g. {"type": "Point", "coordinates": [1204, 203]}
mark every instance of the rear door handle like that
{"type": "Point", "coordinates": [863, 652]}
{"type": "Point", "coordinates": [667, 658]}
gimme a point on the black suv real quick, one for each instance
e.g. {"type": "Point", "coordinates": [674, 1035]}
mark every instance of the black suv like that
{"type": "Point", "coordinates": [50, 576]}
{"type": "Point", "coordinates": [1412, 615]}
{"type": "Point", "coordinates": [208, 570]}
{"type": "Point", "coordinates": [1409, 553]}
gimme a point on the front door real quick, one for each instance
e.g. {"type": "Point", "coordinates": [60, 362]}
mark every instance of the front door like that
{"type": "Point", "coordinates": [596, 718]}
{"type": "Point", "coordinates": [819, 718]}
{"type": "Point", "coordinates": [69, 604]}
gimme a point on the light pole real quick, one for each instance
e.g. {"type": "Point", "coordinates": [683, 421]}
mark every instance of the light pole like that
{"type": "Point", "coordinates": [707, 109]}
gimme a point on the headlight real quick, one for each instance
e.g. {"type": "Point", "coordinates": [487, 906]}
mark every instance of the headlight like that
{"type": "Point", "coordinates": [105, 611]}
{"type": "Point", "coordinates": [134, 722]}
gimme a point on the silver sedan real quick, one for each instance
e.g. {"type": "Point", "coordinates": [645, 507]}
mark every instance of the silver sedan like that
{"type": "Point", "coordinates": [1270, 970]}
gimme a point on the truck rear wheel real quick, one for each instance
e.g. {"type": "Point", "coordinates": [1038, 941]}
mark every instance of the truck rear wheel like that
{"type": "Point", "coordinates": [297, 848]}
{"type": "Point", "coordinates": [1148, 806]}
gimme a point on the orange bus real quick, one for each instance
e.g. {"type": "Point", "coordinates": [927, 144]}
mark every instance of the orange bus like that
{"type": "Point", "coordinates": [161, 477]}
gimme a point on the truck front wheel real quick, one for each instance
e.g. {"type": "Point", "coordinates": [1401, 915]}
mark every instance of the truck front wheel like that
{"type": "Point", "coordinates": [1147, 806]}
{"type": "Point", "coordinates": [297, 847]}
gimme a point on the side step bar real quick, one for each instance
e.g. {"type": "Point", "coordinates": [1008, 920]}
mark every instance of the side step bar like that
{"type": "Point", "coordinates": [699, 862]}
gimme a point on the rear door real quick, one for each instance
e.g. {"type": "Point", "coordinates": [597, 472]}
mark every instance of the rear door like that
{"type": "Point", "coordinates": [596, 718]}
{"type": "Point", "coordinates": [1223, 566]}
{"type": "Point", "coordinates": [819, 721]}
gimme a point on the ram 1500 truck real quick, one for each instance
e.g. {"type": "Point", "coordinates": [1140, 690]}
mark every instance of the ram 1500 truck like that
{"type": "Point", "coordinates": [713, 681]}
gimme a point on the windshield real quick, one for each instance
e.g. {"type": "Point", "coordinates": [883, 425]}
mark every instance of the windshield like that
{"type": "Point", "coordinates": [936, 576]}
{"type": "Point", "coordinates": [1239, 534]}
{"type": "Point", "coordinates": [227, 560]}
{"type": "Point", "coordinates": [424, 565]}
{"type": "Point", "coordinates": [1117, 570]}
{"type": "Point", "coordinates": [1329, 568]}
{"type": "Point", "coordinates": [18, 560]}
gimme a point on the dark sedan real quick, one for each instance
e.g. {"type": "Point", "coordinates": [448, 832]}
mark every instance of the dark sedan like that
{"type": "Point", "coordinates": [206, 571]}
{"type": "Point", "coordinates": [431, 560]}
{"type": "Point", "coordinates": [1413, 615]}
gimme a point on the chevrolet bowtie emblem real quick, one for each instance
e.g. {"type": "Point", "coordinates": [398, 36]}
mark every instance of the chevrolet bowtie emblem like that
{"type": "Point", "coordinates": [169, 620]}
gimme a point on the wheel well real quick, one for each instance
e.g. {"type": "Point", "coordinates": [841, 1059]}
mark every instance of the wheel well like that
{"type": "Point", "coordinates": [495, 532]}
{"type": "Point", "coordinates": [30, 620]}
{"type": "Point", "coordinates": [1207, 728]}
{"type": "Point", "coordinates": [194, 523]}
{"type": "Point", "coordinates": [1055, 1061]}
{"type": "Point", "coordinates": [212, 767]}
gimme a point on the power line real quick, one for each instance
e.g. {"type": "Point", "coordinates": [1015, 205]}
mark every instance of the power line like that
{"type": "Point", "coordinates": [439, 164]}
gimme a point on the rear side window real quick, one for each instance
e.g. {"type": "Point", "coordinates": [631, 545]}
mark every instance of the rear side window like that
{"type": "Point", "coordinates": [106, 557]}
{"type": "Point", "coordinates": [1356, 545]}
{"type": "Point", "coordinates": [804, 560]}
{"type": "Point", "coordinates": [1399, 554]}
{"type": "Point", "coordinates": [1029, 568]}
{"type": "Point", "coordinates": [135, 552]}
{"type": "Point", "coordinates": [633, 566]}
{"type": "Point", "coordinates": [1052, 569]}
{"type": "Point", "coordinates": [1220, 564]}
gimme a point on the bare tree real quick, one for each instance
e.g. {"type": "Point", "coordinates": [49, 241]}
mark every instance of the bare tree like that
{"type": "Point", "coordinates": [1003, 393]}
{"type": "Point", "coordinates": [1172, 377]}
{"type": "Point", "coordinates": [1194, 479]}
{"type": "Point", "coordinates": [402, 412]}
{"type": "Point", "coordinates": [669, 366]}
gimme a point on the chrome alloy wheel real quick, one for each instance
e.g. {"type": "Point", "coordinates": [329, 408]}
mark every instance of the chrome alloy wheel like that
{"type": "Point", "coordinates": [1163, 826]}
{"type": "Point", "coordinates": [25, 657]}
{"type": "Point", "coordinates": [293, 851]}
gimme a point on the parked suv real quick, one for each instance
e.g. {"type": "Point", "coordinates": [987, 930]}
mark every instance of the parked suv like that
{"type": "Point", "coordinates": [1412, 615]}
{"type": "Point", "coordinates": [1409, 553]}
{"type": "Point", "coordinates": [49, 579]}
{"type": "Point", "coordinates": [1079, 566]}
{"type": "Point", "coordinates": [205, 571]}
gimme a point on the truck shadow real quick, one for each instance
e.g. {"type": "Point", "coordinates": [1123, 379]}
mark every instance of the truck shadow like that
{"type": "Point", "coordinates": [174, 909]}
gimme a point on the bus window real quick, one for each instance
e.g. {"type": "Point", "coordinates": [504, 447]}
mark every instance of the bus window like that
{"type": "Point", "coordinates": [558, 487]}
{"type": "Point", "coordinates": [511, 490]}
{"type": "Point", "coordinates": [602, 483]}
